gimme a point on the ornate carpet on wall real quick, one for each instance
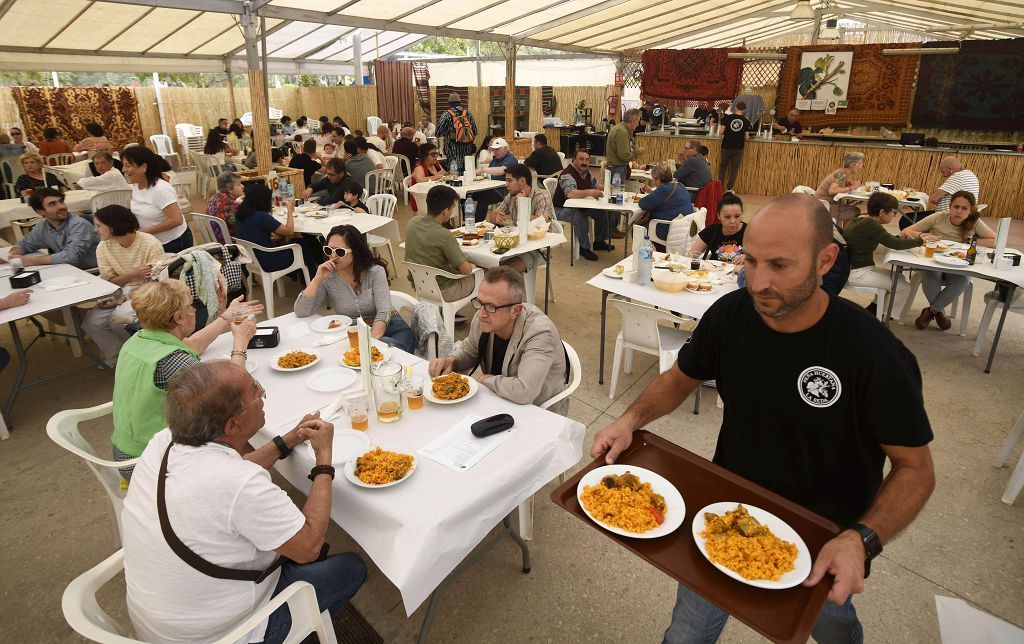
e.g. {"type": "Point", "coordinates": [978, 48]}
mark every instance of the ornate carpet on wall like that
{"type": "Point", "coordinates": [978, 89]}
{"type": "Point", "coordinates": [879, 92]}
{"type": "Point", "coordinates": [691, 74]}
{"type": "Point", "coordinates": [441, 93]}
{"type": "Point", "coordinates": [70, 108]}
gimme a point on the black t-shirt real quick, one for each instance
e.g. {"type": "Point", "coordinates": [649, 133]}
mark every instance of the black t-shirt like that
{"type": "Point", "coordinates": [307, 164]}
{"type": "Point", "coordinates": [806, 413]}
{"type": "Point", "coordinates": [791, 128]}
{"type": "Point", "coordinates": [646, 118]}
{"type": "Point", "coordinates": [499, 346]}
{"type": "Point", "coordinates": [722, 246]}
{"type": "Point", "coordinates": [736, 128]}
{"type": "Point", "coordinates": [544, 160]}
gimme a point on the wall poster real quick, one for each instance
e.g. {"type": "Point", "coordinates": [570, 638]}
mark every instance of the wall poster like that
{"type": "Point", "coordinates": [825, 75]}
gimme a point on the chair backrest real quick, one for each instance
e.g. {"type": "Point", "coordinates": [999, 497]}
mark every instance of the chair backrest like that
{"type": "Point", "coordinates": [19, 226]}
{"type": "Point", "coordinates": [131, 145]}
{"type": "Point", "coordinates": [551, 184]}
{"type": "Point", "coordinates": [207, 228]}
{"type": "Point", "coordinates": [372, 123]}
{"type": "Point", "coordinates": [407, 182]}
{"type": "Point", "coordinates": [403, 162]}
{"type": "Point", "coordinates": [640, 324]}
{"type": "Point", "coordinates": [380, 181]}
{"type": "Point", "coordinates": [391, 164]}
{"type": "Point", "coordinates": [575, 377]}
{"type": "Point", "coordinates": [61, 158]}
{"type": "Point", "coordinates": [121, 197]}
{"type": "Point", "coordinates": [424, 278]}
{"type": "Point", "coordinates": [10, 170]}
{"type": "Point", "coordinates": [382, 205]}
{"type": "Point", "coordinates": [400, 300]}
{"type": "Point", "coordinates": [161, 143]}
{"type": "Point", "coordinates": [61, 175]}
{"type": "Point", "coordinates": [804, 190]}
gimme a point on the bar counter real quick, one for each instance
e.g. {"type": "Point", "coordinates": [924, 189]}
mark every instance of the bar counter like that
{"type": "Point", "coordinates": [775, 167]}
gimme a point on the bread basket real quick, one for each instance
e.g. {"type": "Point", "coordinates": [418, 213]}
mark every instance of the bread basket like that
{"type": "Point", "coordinates": [507, 237]}
{"type": "Point", "coordinates": [670, 281]}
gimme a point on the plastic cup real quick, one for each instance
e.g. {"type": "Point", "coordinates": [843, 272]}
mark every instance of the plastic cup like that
{"type": "Point", "coordinates": [358, 410]}
{"type": "Point", "coordinates": [929, 249]}
{"type": "Point", "coordinates": [414, 392]}
{"type": "Point", "coordinates": [353, 337]}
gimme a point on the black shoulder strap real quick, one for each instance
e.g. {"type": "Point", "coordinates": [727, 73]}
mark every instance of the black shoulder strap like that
{"type": "Point", "coordinates": [186, 554]}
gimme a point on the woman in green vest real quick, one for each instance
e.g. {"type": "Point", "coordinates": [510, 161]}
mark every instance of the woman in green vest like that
{"type": "Point", "coordinates": [166, 344]}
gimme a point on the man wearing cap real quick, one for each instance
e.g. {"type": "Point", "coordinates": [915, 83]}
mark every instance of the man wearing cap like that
{"type": "Point", "coordinates": [500, 161]}
{"type": "Point", "coordinates": [450, 125]}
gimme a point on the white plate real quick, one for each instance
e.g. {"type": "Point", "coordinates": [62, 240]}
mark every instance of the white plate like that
{"type": "Point", "coordinates": [347, 445]}
{"type": "Point", "coordinates": [350, 469]}
{"type": "Point", "coordinates": [383, 348]}
{"type": "Point", "coordinates": [428, 393]}
{"type": "Point", "coordinates": [250, 363]}
{"type": "Point", "coordinates": [276, 367]}
{"type": "Point", "coordinates": [333, 379]}
{"type": "Point", "coordinates": [321, 325]}
{"type": "Point", "coordinates": [472, 243]}
{"type": "Point", "coordinates": [714, 265]}
{"type": "Point", "coordinates": [675, 507]}
{"type": "Point", "coordinates": [610, 272]}
{"type": "Point", "coordinates": [781, 529]}
{"type": "Point", "coordinates": [714, 289]}
{"type": "Point", "coordinates": [950, 261]}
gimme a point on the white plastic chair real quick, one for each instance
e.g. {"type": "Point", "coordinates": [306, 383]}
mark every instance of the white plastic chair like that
{"type": "Point", "coordinates": [641, 332]}
{"type": "Point", "coordinates": [62, 428]}
{"type": "Point", "coordinates": [406, 184]}
{"type": "Point", "coordinates": [992, 302]}
{"type": "Point", "coordinates": [399, 301]}
{"type": "Point", "coordinates": [84, 614]}
{"type": "Point", "coordinates": [205, 228]}
{"type": "Point", "coordinates": [968, 295]}
{"type": "Point", "coordinates": [61, 175]}
{"type": "Point", "coordinates": [427, 290]}
{"type": "Point", "coordinates": [372, 123]}
{"type": "Point", "coordinates": [163, 146]}
{"type": "Point", "coordinates": [382, 205]}
{"type": "Point", "coordinates": [10, 170]}
{"type": "Point", "coordinates": [267, 279]}
{"type": "Point", "coordinates": [880, 297]}
{"type": "Point", "coordinates": [551, 184]}
{"type": "Point", "coordinates": [1016, 483]}
{"type": "Point", "coordinates": [380, 181]}
{"type": "Point", "coordinates": [575, 378]}
{"type": "Point", "coordinates": [21, 226]}
{"type": "Point", "coordinates": [679, 229]}
{"type": "Point", "coordinates": [60, 158]}
{"type": "Point", "coordinates": [106, 198]}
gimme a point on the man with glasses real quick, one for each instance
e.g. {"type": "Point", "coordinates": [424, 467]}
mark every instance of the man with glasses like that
{"type": "Point", "coordinates": [514, 348]}
{"type": "Point", "coordinates": [69, 238]}
{"type": "Point", "coordinates": [18, 139]}
{"type": "Point", "coordinates": [576, 182]}
{"type": "Point", "coordinates": [328, 189]}
{"type": "Point", "coordinates": [200, 486]}
{"type": "Point", "coordinates": [693, 170]}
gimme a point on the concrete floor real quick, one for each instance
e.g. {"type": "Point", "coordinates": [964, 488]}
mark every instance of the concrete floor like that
{"type": "Point", "coordinates": [583, 588]}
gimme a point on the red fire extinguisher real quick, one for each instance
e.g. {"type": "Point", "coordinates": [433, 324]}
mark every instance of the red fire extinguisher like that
{"type": "Point", "coordinates": [613, 105]}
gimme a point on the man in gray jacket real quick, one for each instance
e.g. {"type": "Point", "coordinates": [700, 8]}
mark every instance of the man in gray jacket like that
{"type": "Point", "coordinates": [516, 347]}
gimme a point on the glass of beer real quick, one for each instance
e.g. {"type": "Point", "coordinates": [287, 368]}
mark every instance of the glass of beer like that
{"type": "Point", "coordinates": [358, 410]}
{"type": "Point", "coordinates": [414, 392]}
{"type": "Point", "coordinates": [353, 337]}
{"type": "Point", "coordinates": [388, 392]}
{"type": "Point", "coordinates": [929, 248]}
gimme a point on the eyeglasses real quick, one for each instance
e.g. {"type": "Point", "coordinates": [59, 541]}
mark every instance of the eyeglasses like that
{"type": "Point", "coordinates": [490, 308]}
{"type": "Point", "coordinates": [262, 396]}
{"type": "Point", "coordinates": [339, 252]}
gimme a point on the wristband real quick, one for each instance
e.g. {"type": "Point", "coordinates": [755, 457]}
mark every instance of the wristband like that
{"type": "Point", "coordinates": [281, 445]}
{"type": "Point", "coordinates": [321, 469]}
{"type": "Point", "coordinates": [238, 352]}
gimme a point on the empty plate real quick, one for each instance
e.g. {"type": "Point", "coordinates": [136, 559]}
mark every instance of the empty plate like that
{"type": "Point", "coordinates": [333, 379]}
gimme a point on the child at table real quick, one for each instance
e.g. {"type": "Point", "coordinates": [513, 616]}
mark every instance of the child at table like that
{"type": "Point", "coordinates": [351, 195]}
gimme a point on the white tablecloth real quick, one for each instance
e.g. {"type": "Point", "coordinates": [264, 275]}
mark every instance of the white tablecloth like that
{"type": "Point", "coordinates": [687, 303]}
{"type": "Point", "coordinates": [419, 191]}
{"type": "Point", "coordinates": [983, 269]}
{"type": "Point", "coordinates": [629, 207]}
{"type": "Point", "coordinates": [43, 301]}
{"type": "Point", "coordinates": [11, 209]}
{"type": "Point", "coordinates": [920, 204]}
{"type": "Point", "coordinates": [365, 222]}
{"type": "Point", "coordinates": [418, 531]}
{"type": "Point", "coordinates": [483, 255]}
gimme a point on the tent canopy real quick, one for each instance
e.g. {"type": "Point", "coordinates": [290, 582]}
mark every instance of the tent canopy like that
{"type": "Point", "coordinates": [316, 36]}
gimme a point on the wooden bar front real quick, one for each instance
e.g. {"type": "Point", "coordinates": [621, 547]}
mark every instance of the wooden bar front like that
{"type": "Point", "coordinates": [775, 167]}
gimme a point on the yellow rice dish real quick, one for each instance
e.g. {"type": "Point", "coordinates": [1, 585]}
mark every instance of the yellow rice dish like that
{"type": "Point", "coordinates": [624, 502]}
{"type": "Point", "coordinates": [450, 386]}
{"type": "Point", "coordinates": [351, 357]}
{"type": "Point", "coordinates": [737, 541]}
{"type": "Point", "coordinates": [378, 466]}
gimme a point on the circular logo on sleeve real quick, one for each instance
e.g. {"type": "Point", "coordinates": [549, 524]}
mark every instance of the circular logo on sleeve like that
{"type": "Point", "coordinates": [819, 387]}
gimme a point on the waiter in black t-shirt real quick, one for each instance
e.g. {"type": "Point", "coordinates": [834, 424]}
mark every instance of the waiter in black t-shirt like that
{"type": "Point", "coordinates": [817, 395]}
{"type": "Point", "coordinates": [735, 132]}
{"type": "Point", "coordinates": [646, 116]}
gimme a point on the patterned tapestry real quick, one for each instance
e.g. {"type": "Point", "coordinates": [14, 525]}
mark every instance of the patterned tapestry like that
{"type": "Point", "coordinates": [978, 89]}
{"type": "Point", "coordinates": [70, 108]}
{"type": "Point", "coordinates": [421, 76]}
{"type": "Point", "coordinates": [441, 93]}
{"type": "Point", "coordinates": [879, 91]}
{"type": "Point", "coordinates": [691, 74]}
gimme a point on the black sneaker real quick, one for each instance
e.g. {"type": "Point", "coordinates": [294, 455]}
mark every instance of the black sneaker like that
{"type": "Point", "coordinates": [586, 253]}
{"type": "Point", "coordinates": [603, 246]}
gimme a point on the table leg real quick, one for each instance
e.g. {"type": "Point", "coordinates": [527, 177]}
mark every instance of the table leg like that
{"type": "Point", "coordinates": [604, 311]}
{"type": "Point", "coordinates": [895, 281]}
{"type": "Point", "coordinates": [69, 323]}
{"type": "Point", "coordinates": [19, 351]}
{"type": "Point", "coordinates": [999, 329]}
{"type": "Point", "coordinates": [625, 237]}
{"type": "Point", "coordinates": [547, 276]}
{"type": "Point", "coordinates": [572, 246]}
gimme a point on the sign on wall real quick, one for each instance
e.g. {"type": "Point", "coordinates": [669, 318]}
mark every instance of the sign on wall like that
{"type": "Point", "coordinates": [824, 76]}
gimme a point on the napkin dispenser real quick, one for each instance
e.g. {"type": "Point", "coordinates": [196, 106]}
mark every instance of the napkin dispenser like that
{"type": "Point", "coordinates": [25, 279]}
{"type": "Point", "coordinates": [266, 337]}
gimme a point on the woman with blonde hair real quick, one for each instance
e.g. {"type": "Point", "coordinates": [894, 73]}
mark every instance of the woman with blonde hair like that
{"type": "Point", "coordinates": [167, 343]}
{"type": "Point", "coordinates": [34, 177]}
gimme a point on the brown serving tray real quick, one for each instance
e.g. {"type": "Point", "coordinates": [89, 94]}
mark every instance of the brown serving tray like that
{"type": "Point", "coordinates": [780, 615]}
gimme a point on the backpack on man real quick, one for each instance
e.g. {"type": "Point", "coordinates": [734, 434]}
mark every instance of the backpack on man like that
{"type": "Point", "coordinates": [463, 127]}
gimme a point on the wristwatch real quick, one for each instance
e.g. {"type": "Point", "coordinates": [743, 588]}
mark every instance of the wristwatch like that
{"type": "Point", "coordinates": [872, 545]}
{"type": "Point", "coordinates": [282, 447]}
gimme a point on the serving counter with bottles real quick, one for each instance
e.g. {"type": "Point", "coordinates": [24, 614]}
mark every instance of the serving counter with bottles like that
{"type": "Point", "coordinates": [776, 166]}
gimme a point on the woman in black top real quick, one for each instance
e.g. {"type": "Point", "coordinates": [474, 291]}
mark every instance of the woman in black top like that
{"type": "Point", "coordinates": [723, 241]}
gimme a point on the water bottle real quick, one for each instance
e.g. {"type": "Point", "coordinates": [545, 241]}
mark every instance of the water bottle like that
{"type": "Point", "coordinates": [645, 261]}
{"type": "Point", "coordinates": [470, 212]}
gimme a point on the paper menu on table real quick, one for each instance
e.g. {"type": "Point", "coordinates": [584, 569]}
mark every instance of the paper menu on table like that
{"type": "Point", "coordinates": [1002, 232]}
{"type": "Point", "coordinates": [365, 356]}
{"type": "Point", "coordinates": [607, 183]}
{"type": "Point", "coordinates": [469, 173]}
{"type": "Point", "coordinates": [458, 449]}
{"type": "Point", "coordinates": [523, 211]}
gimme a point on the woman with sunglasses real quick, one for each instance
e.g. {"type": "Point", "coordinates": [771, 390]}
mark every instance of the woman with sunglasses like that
{"type": "Point", "coordinates": [357, 284]}
{"type": "Point", "coordinates": [428, 169]}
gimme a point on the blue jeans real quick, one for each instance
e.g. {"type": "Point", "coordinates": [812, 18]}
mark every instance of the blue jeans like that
{"type": "Point", "coordinates": [335, 579]}
{"type": "Point", "coordinates": [939, 297]}
{"type": "Point", "coordinates": [695, 620]}
{"type": "Point", "coordinates": [398, 334]}
{"type": "Point", "coordinates": [581, 227]}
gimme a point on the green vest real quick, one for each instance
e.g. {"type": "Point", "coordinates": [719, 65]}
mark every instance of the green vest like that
{"type": "Point", "coordinates": [138, 403]}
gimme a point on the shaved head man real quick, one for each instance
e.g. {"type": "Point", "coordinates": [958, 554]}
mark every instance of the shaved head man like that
{"type": "Point", "coordinates": [818, 395]}
{"type": "Point", "coordinates": [955, 178]}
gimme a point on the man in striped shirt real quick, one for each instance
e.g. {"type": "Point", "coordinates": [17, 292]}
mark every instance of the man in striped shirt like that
{"type": "Point", "coordinates": [956, 178]}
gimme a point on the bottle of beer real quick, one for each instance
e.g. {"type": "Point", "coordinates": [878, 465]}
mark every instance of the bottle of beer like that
{"type": "Point", "coordinates": [972, 252]}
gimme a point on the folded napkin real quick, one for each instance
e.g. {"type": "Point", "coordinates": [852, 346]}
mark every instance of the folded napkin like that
{"type": "Point", "coordinates": [330, 339]}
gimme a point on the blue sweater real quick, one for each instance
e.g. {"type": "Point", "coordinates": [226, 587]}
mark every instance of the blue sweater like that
{"type": "Point", "coordinates": [668, 201]}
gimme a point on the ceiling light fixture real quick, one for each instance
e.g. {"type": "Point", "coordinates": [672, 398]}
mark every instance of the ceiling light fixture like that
{"type": "Point", "coordinates": [802, 11]}
{"type": "Point", "coordinates": [921, 52]}
{"type": "Point", "coordinates": [830, 31]}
